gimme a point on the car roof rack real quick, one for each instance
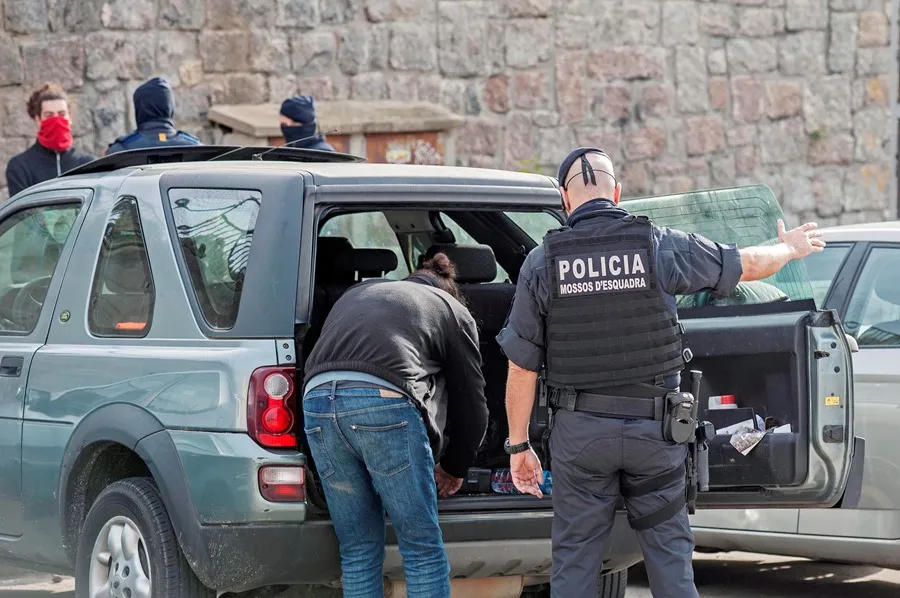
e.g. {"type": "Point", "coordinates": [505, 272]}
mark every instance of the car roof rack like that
{"type": "Point", "coordinates": [207, 153]}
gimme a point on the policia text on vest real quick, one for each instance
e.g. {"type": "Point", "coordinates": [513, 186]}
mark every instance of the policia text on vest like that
{"type": "Point", "coordinates": [605, 272]}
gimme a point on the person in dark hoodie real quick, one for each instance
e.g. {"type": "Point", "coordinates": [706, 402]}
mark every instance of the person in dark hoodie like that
{"type": "Point", "coordinates": [52, 154]}
{"type": "Point", "coordinates": [379, 391]}
{"type": "Point", "coordinates": [154, 109]}
{"type": "Point", "coordinates": [298, 124]}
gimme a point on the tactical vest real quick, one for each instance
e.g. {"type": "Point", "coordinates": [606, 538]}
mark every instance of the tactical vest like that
{"type": "Point", "coordinates": [608, 323]}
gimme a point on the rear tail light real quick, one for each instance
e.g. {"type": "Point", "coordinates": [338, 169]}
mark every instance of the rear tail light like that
{"type": "Point", "coordinates": [282, 484]}
{"type": "Point", "coordinates": [271, 403]}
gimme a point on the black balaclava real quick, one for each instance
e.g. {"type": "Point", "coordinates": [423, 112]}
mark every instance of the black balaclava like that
{"type": "Point", "coordinates": [154, 102]}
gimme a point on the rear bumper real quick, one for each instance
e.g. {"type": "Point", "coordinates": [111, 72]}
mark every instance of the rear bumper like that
{"type": "Point", "coordinates": [235, 541]}
{"type": "Point", "coordinates": [478, 545]}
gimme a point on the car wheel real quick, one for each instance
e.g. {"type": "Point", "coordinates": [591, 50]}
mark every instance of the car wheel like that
{"type": "Point", "coordinates": [612, 585]}
{"type": "Point", "coordinates": [128, 548]}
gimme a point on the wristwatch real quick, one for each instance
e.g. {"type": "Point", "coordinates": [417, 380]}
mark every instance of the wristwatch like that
{"type": "Point", "coordinates": [516, 448]}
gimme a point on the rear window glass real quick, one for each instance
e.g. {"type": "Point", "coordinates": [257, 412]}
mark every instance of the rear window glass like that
{"type": "Point", "coordinates": [745, 216]}
{"type": "Point", "coordinates": [535, 224]}
{"type": "Point", "coordinates": [215, 232]}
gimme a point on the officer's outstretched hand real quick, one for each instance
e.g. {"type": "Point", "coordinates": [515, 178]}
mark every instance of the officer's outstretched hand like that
{"type": "Point", "coordinates": [802, 241]}
{"type": "Point", "coordinates": [527, 472]}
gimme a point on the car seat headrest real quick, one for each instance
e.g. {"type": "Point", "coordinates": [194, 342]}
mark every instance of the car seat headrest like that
{"type": "Point", "coordinates": [327, 251]}
{"type": "Point", "coordinates": [474, 263]}
{"type": "Point", "coordinates": [367, 262]}
{"type": "Point", "coordinates": [125, 272]}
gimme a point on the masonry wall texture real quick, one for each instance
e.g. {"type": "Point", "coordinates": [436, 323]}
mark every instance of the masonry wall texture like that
{"type": "Point", "coordinates": [684, 94]}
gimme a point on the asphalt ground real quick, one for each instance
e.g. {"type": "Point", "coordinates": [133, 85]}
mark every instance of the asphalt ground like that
{"type": "Point", "coordinates": [724, 575]}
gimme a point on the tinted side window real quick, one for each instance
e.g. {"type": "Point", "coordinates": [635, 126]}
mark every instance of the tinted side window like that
{"type": "Point", "coordinates": [122, 294]}
{"type": "Point", "coordinates": [215, 232]}
{"type": "Point", "coordinates": [822, 268]}
{"type": "Point", "coordinates": [30, 245]}
{"type": "Point", "coordinates": [874, 313]}
{"type": "Point", "coordinates": [535, 224]}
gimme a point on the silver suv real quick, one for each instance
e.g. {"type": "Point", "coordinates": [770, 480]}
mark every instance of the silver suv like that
{"type": "Point", "coordinates": [155, 310]}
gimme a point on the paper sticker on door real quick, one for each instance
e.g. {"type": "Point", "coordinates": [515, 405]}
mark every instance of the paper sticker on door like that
{"type": "Point", "coordinates": [832, 401]}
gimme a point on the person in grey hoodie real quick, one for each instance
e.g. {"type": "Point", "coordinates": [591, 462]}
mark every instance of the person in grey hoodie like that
{"type": "Point", "coordinates": [154, 109]}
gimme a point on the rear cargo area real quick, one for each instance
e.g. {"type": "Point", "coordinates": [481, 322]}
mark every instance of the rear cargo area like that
{"type": "Point", "coordinates": [489, 303]}
{"type": "Point", "coordinates": [760, 361]}
{"type": "Point", "coordinates": [763, 369]}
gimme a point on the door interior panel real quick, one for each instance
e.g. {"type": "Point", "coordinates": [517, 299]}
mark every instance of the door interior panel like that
{"type": "Point", "coordinates": [764, 368]}
{"type": "Point", "coordinates": [768, 362]}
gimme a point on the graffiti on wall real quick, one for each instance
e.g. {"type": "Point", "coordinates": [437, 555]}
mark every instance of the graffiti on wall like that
{"type": "Point", "coordinates": [405, 148]}
{"type": "Point", "coordinates": [391, 148]}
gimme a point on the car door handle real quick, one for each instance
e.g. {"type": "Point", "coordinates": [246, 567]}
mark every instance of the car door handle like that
{"type": "Point", "coordinates": [11, 367]}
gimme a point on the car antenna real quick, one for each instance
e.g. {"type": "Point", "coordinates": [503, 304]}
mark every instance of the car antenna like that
{"type": "Point", "coordinates": [271, 149]}
{"type": "Point", "coordinates": [231, 151]}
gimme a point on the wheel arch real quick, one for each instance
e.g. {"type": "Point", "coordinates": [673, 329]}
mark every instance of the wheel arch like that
{"type": "Point", "coordinates": [99, 440]}
{"type": "Point", "coordinates": [118, 441]}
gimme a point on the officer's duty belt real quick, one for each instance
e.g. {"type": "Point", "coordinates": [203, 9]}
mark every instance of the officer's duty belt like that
{"type": "Point", "coordinates": [616, 406]}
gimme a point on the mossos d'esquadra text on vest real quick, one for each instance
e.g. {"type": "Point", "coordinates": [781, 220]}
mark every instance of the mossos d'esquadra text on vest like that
{"type": "Point", "coordinates": [605, 272]}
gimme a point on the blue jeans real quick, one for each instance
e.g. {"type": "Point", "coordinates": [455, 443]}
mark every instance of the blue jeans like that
{"type": "Point", "coordinates": [373, 455]}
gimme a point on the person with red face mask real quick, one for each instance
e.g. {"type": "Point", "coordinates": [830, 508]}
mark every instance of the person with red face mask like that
{"type": "Point", "coordinates": [53, 153]}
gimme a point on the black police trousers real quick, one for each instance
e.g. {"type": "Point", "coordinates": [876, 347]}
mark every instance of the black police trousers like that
{"type": "Point", "coordinates": [590, 453]}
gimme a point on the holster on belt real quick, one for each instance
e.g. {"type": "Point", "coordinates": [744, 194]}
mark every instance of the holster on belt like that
{"type": "Point", "coordinates": [680, 417]}
{"type": "Point", "coordinates": [545, 415]}
{"type": "Point", "coordinates": [697, 461]}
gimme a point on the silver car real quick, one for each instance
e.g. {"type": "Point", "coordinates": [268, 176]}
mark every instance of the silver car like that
{"type": "Point", "coordinates": [858, 275]}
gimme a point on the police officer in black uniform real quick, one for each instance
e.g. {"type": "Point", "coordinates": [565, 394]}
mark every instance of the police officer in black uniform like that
{"type": "Point", "coordinates": [595, 307]}
{"type": "Point", "coordinates": [154, 113]}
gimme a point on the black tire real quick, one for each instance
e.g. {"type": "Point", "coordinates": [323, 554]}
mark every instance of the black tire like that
{"type": "Point", "coordinates": [138, 500]}
{"type": "Point", "coordinates": [612, 585]}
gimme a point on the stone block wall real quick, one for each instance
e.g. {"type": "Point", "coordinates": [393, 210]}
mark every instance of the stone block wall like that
{"type": "Point", "coordinates": [684, 94]}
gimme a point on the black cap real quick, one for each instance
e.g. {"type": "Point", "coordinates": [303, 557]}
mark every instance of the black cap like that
{"type": "Point", "coordinates": [586, 169]}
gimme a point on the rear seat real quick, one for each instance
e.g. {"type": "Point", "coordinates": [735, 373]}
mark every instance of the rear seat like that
{"type": "Point", "coordinates": [489, 303]}
{"type": "Point", "coordinates": [366, 263]}
{"type": "Point", "coordinates": [328, 280]}
{"type": "Point", "coordinates": [338, 267]}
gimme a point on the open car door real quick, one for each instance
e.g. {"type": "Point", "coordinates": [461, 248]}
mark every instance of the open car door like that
{"type": "Point", "coordinates": [787, 364]}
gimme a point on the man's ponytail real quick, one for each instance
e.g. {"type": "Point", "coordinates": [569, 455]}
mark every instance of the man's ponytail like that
{"type": "Point", "coordinates": [440, 265]}
{"type": "Point", "coordinates": [441, 270]}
